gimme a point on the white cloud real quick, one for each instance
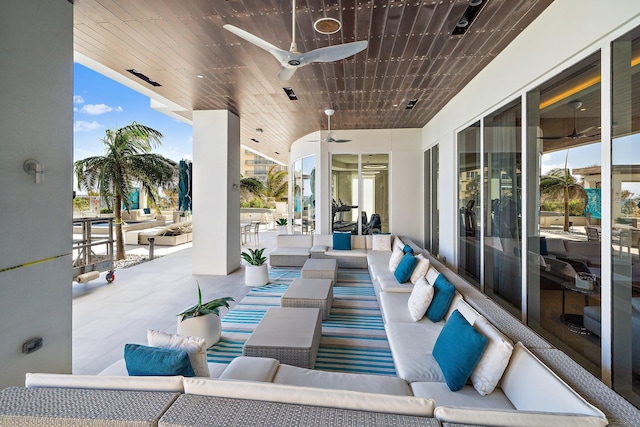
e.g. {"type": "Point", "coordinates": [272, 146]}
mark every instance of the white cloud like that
{"type": "Point", "coordinates": [97, 109]}
{"type": "Point", "coordinates": [82, 126]}
{"type": "Point", "coordinates": [78, 99]}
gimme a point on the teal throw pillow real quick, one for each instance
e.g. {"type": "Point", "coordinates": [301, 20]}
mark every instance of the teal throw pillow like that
{"type": "Point", "coordinates": [458, 350]}
{"type": "Point", "coordinates": [407, 249]}
{"type": "Point", "coordinates": [442, 297]}
{"type": "Point", "coordinates": [342, 241]}
{"type": "Point", "coordinates": [144, 361]}
{"type": "Point", "coordinates": [405, 268]}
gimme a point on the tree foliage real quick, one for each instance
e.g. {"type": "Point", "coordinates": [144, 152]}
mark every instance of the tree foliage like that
{"type": "Point", "coordinates": [127, 162]}
{"type": "Point", "coordinates": [560, 184]}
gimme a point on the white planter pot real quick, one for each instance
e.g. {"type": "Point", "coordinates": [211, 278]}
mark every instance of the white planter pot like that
{"type": "Point", "coordinates": [282, 229]}
{"type": "Point", "coordinates": [207, 327]}
{"type": "Point", "coordinates": [256, 275]}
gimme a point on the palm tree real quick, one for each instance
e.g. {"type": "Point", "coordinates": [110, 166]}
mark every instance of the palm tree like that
{"type": "Point", "coordinates": [277, 184]}
{"type": "Point", "coordinates": [128, 161]}
{"type": "Point", "coordinates": [560, 181]}
{"type": "Point", "coordinates": [251, 186]}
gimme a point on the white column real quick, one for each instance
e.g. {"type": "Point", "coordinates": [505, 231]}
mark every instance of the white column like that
{"type": "Point", "coordinates": [216, 192]}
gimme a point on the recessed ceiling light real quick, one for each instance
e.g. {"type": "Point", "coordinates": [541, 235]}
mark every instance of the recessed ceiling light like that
{"type": "Point", "coordinates": [200, 76]}
{"type": "Point", "coordinates": [290, 93]}
{"type": "Point", "coordinates": [327, 25]}
{"type": "Point", "coordinates": [259, 130]}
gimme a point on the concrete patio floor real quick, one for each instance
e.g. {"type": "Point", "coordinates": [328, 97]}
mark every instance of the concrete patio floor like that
{"type": "Point", "coordinates": [144, 296]}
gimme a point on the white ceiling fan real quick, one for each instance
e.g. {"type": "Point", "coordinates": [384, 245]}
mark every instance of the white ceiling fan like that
{"type": "Point", "coordinates": [331, 136]}
{"type": "Point", "coordinates": [291, 60]}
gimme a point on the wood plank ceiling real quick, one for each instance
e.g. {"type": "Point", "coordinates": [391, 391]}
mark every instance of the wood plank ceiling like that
{"type": "Point", "coordinates": [411, 55]}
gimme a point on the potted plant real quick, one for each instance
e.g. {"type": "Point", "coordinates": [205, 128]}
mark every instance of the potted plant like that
{"type": "Point", "coordinates": [256, 272]}
{"type": "Point", "coordinates": [203, 320]}
{"type": "Point", "coordinates": [281, 225]}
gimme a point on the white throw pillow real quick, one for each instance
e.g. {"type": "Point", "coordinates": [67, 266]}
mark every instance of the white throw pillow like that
{"type": "Point", "coordinates": [421, 268]}
{"type": "Point", "coordinates": [397, 243]}
{"type": "Point", "coordinates": [194, 346]}
{"type": "Point", "coordinates": [420, 298]}
{"type": "Point", "coordinates": [382, 242]}
{"type": "Point", "coordinates": [494, 360]}
{"type": "Point", "coordinates": [395, 259]}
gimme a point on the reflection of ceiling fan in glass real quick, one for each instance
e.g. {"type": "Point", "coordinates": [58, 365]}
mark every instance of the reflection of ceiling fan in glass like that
{"type": "Point", "coordinates": [575, 105]}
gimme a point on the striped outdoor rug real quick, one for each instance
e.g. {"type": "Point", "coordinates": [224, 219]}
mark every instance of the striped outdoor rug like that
{"type": "Point", "coordinates": [353, 337]}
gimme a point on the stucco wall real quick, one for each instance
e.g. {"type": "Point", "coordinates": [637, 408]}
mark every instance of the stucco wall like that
{"type": "Point", "coordinates": [36, 118]}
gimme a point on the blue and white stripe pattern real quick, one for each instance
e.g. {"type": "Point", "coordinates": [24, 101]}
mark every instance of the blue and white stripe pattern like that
{"type": "Point", "coordinates": [353, 337]}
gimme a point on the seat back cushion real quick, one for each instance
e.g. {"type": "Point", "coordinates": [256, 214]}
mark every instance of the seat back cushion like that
{"type": "Point", "coordinates": [346, 399]}
{"type": "Point", "coordinates": [432, 274]}
{"type": "Point", "coordinates": [294, 241]}
{"type": "Point", "coordinates": [504, 418]}
{"type": "Point", "coordinates": [531, 386]}
{"type": "Point", "coordinates": [358, 242]}
{"type": "Point", "coordinates": [323, 240]}
{"type": "Point", "coordinates": [105, 382]}
{"type": "Point", "coordinates": [247, 368]}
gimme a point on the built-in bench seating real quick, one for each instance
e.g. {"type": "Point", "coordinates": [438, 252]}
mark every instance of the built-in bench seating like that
{"type": "Point", "coordinates": [538, 386]}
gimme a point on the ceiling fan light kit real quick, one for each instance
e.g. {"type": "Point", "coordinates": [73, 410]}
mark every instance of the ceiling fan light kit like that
{"type": "Point", "coordinates": [327, 25]}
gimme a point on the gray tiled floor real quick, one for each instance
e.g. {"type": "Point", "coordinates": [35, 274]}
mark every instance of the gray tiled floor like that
{"type": "Point", "coordinates": [144, 296]}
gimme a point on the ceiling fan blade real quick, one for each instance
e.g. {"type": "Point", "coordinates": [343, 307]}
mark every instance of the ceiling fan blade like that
{"type": "Point", "coordinates": [552, 137]}
{"type": "Point", "coordinates": [584, 131]}
{"type": "Point", "coordinates": [280, 54]}
{"type": "Point", "coordinates": [286, 73]}
{"type": "Point", "coordinates": [333, 53]}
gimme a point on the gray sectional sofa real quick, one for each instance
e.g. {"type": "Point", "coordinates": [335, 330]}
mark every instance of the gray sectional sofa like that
{"type": "Point", "coordinates": [292, 250]}
{"type": "Point", "coordinates": [529, 390]}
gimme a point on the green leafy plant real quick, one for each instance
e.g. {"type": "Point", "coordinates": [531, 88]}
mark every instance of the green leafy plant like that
{"type": "Point", "coordinates": [281, 221]}
{"type": "Point", "coordinates": [254, 257]}
{"type": "Point", "coordinates": [200, 309]}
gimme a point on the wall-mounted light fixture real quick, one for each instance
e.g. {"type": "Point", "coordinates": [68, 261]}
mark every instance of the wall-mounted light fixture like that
{"type": "Point", "coordinates": [32, 167]}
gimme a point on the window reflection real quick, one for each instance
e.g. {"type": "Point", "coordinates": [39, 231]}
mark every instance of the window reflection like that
{"type": "Point", "coordinates": [503, 231]}
{"type": "Point", "coordinates": [360, 193]}
{"type": "Point", "coordinates": [564, 260]}
{"type": "Point", "coordinates": [625, 215]}
{"type": "Point", "coordinates": [469, 183]}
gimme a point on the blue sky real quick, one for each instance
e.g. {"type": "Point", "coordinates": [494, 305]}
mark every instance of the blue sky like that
{"type": "Point", "coordinates": [100, 103]}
